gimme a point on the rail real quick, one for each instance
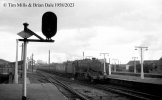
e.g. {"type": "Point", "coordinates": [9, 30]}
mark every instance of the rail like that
{"type": "Point", "coordinates": [54, 80]}
{"type": "Point", "coordinates": [121, 90]}
{"type": "Point", "coordinates": [131, 93]}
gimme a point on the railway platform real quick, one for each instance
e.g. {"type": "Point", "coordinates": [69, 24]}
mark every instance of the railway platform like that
{"type": "Point", "coordinates": [35, 91]}
{"type": "Point", "coordinates": [136, 79]}
{"type": "Point", "coordinates": [147, 85]}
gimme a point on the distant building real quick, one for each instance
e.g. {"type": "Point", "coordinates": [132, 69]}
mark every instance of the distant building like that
{"type": "Point", "coordinates": [2, 61]}
{"type": "Point", "coordinates": [149, 65]}
{"type": "Point", "coordinates": [131, 63]}
{"type": "Point", "coordinates": [39, 62]}
{"type": "Point", "coordinates": [159, 67]}
{"type": "Point", "coordinates": [122, 67]}
{"type": "Point", "coordinates": [102, 60]}
{"type": "Point", "coordinates": [127, 67]}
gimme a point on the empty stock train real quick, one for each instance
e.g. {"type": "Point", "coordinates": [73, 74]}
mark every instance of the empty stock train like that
{"type": "Point", "coordinates": [88, 69]}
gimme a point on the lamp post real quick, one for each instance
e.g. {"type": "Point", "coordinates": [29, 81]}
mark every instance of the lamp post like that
{"type": "Point", "coordinates": [141, 54]}
{"type": "Point", "coordinates": [134, 58]}
{"type": "Point", "coordinates": [104, 61]}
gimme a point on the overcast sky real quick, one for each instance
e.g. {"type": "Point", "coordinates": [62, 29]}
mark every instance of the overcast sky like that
{"type": "Point", "coordinates": [91, 26]}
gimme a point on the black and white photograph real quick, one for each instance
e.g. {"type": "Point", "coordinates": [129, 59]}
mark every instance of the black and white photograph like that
{"type": "Point", "coordinates": [80, 49]}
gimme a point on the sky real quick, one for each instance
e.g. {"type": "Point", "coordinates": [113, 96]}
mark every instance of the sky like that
{"type": "Point", "coordinates": [90, 26]}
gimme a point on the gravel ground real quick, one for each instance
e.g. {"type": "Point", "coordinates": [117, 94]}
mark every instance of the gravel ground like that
{"type": "Point", "coordinates": [33, 78]}
{"type": "Point", "coordinates": [36, 78]}
{"type": "Point", "coordinates": [96, 94]}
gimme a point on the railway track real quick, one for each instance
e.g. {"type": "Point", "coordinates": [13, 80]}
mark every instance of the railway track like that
{"type": "Point", "coordinates": [65, 89]}
{"type": "Point", "coordinates": [128, 92]}
{"type": "Point", "coordinates": [133, 94]}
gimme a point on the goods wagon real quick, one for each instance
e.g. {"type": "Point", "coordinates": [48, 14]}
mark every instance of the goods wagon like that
{"type": "Point", "coordinates": [60, 68]}
{"type": "Point", "coordinates": [70, 69]}
{"type": "Point", "coordinates": [64, 68]}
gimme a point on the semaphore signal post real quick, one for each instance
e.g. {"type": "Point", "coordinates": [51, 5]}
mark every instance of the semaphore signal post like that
{"type": "Point", "coordinates": [49, 29]}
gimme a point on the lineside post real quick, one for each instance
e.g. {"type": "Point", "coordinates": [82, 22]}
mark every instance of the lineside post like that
{"type": "Point", "coordinates": [16, 64]}
{"type": "Point", "coordinates": [134, 58]}
{"type": "Point", "coordinates": [24, 71]}
{"type": "Point", "coordinates": [104, 62]}
{"type": "Point", "coordinates": [141, 54]}
{"type": "Point", "coordinates": [109, 67]}
{"type": "Point", "coordinates": [49, 29]}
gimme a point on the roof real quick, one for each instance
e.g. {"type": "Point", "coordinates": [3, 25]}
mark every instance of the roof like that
{"type": "Point", "coordinates": [2, 61]}
{"type": "Point", "coordinates": [151, 61]}
{"type": "Point", "coordinates": [132, 62]}
{"type": "Point", "coordinates": [101, 60]}
{"type": "Point", "coordinates": [145, 62]}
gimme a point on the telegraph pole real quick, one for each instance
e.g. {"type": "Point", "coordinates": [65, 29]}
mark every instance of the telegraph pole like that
{"type": "Point", "coordinates": [141, 54]}
{"type": "Point", "coordinates": [32, 62]}
{"type": "Point", "coordinates": [134, 58]}
{"type": "Point", "coordinates": [119, 63]}
{"type": "Point", "coordinates": [109, 67]}
{"type": "Point", "coordinates": [83, 55]}
{"type": "Point", "coordinates": [49, 58]}
{"type": "Point", "coordinates": [104, 62]}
